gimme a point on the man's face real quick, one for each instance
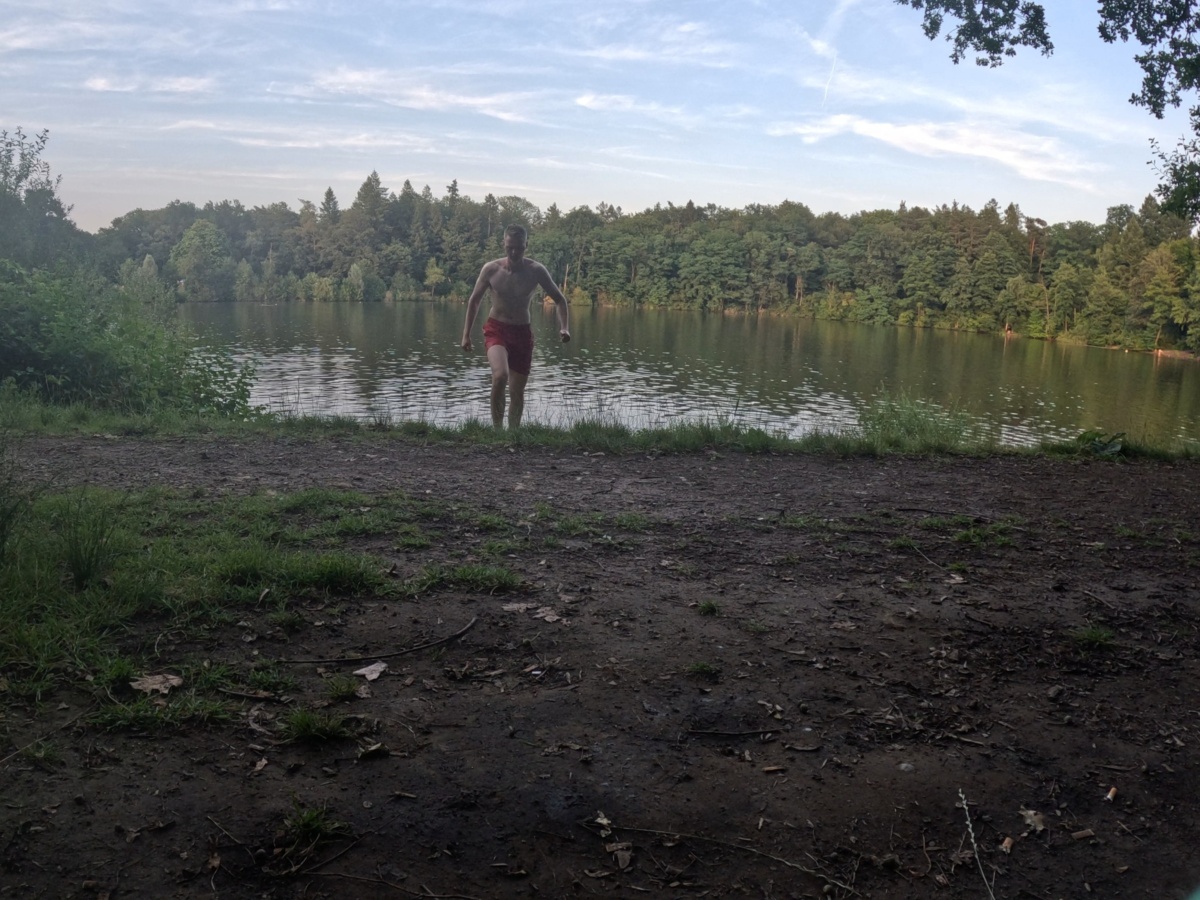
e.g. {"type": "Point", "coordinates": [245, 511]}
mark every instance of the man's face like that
{"type": "Point", "coordinates": [514, 248]}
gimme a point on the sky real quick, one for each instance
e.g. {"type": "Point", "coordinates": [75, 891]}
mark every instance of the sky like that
{"type": "Point", "coordinates": [843, 105]}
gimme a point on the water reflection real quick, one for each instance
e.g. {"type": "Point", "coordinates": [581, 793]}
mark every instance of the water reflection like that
{"type": "Point", "coordinates": [652, 368]}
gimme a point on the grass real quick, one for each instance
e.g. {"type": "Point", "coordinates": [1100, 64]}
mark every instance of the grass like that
{"type": "Point", "coordinates": [307, 726]}
{"type": "Point", "coordinates": [705, 671]}
{"type": "Point", "coordinates": [708, 608]}
{"type": "Point", "coordinates": [887, 425]}
{"type": "Point", "coordinates": [1093, 638]}
{"type": "Point", "coordinates": [474, 578]}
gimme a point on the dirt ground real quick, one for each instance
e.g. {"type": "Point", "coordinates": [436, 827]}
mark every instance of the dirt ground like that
{"type": "Point", "coordinates": [751, 676]}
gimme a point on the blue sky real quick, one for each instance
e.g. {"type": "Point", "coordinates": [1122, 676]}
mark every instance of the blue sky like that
{"type": "Point", "coordinates": [842, 105]}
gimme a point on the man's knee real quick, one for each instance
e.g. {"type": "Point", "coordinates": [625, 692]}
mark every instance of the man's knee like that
{"type": "Point", "coordinates": [499, 380]}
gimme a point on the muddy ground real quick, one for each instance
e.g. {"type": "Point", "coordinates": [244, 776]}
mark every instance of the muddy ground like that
{"type": "Point", "coordinates": [736, 676]}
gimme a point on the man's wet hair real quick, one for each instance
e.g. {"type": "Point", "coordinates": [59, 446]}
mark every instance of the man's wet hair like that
{"type": "Point", "coordinates": [517, 231]}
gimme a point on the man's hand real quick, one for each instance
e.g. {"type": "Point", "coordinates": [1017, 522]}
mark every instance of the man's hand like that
{"type": "Point", "coordinates": [565, 335]}
{"type": "Point", "coordinates": [466, 345]}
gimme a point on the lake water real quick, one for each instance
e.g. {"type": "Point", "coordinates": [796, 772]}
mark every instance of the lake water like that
{"type": "Point", "coordinates": [656, 367]}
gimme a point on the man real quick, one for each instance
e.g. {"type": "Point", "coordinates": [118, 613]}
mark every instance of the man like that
{"type": "Point", "coordinates": [508, 334]}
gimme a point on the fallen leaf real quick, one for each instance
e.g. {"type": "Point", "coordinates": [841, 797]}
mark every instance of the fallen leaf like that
{"type": "Point", "coordinates": [596, 873]}
{"type": "Point", "coordinates": [605, 825]}
{"type": "Point", "coordinates": [161, 684]}
{"type": "Point", "coordinates": [1034, 820]}
{"type": "Point", "coordinates": [260, 765]}
{"type": "Point", "coordinates": [619, 845]}
{"type": "Point", "coordinates": [1083, 835]}
{"type": "Point", "coordinates": [624, 858]}
{"type": "Point", "coordinates": [372, 671]}
{"type": "Point", "coordinates": [214, 861]}
{"type": "Point", "coordinates": [516, 607]}
{"type": "Point", "coordinates": [372, 750]}
{"type": "Point", "coordinates": [548, 614]}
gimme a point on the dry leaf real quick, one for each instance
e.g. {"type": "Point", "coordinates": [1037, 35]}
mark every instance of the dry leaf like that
{"type": "Point", "coordinates": [624, 858]}
{"type": "Point", "coordinates": [605, 825]}
{"type": "Point", "coordinates": [516, 607]}
{"type": "Point", "coordinates": [1034, 820]}
{"type": "Point", "coordinates": [214, 861]}
{"type": "Point", "coordinates": [547, 613]}
{"type": "Point", "coordinates": [1007, 846]}
{"type": "Point", "coordinates": [260, 765]}
{"type": "Point", "coordinates": [161, 684]}
{"type": "Point", "coordinates": [372, 671]}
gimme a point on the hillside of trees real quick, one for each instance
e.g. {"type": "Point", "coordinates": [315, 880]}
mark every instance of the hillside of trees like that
{"type": "Point", "coordinates": [1133, 281]}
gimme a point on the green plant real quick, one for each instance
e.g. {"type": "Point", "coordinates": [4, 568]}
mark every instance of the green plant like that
{"type": "Point", "coordinates": [902, 424]}
{"type": "Point", "coordinates": [272, 679]}
{"type": "Point", "coordinates": [15, 498]}
{"type": "Point", "coordinates": [1093, 637]}
{"type": "Point", "coordinates": [708, 608]}
{"type": "Point", "coordinates": [485, 579]}
{"type": "Point", "coordinates": [704, 670]}
{"type": "Point", "coordinates": [42, 754]}
{"type": "Point", "coordinates": [313, 727]}
{"type": "Point", "coordinates": [303, 830]}
{"type": "Point", "coordinates": [1097, 443]}
{"type": "Point", "coordinates": [632, 521]}
{"type": "Point", "coordinates": [146, 714]}
{"type": "Point", "coordinates": [115, 673]}
{"type": "Point", "coordinates": [341, 688]}
{"type": "Point", "coordinates": [285, 618]}
{"type": "Point", "coordinates": [88, 536]}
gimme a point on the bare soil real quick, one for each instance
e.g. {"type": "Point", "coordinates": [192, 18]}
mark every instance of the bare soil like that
{"type": "Point", "coordinates": [882, 638]}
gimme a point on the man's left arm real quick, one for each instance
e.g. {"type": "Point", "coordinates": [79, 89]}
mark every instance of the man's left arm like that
{"type": "Point", "coordinates": [560, 302]}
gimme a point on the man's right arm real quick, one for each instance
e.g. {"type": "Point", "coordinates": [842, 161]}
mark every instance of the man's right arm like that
{"type": "Point", "coordinates": [481, 286]}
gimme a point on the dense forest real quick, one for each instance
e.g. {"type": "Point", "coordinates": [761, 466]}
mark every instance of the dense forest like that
{"type": "Point", "coordinates": [1133, 281]}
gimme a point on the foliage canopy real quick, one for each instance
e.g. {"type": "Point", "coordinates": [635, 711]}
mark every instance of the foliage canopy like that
{"type": "Point", "coordinates": [1166, 30]}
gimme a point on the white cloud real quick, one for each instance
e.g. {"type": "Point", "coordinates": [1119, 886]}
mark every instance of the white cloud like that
{"type": "Point", "coordinates": [388, 87]}
{"type": "Point", "coordinates": [1031, 156]}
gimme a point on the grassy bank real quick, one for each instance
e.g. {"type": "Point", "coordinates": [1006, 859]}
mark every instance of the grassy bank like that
{"type": "Point", "coordinates": [889, 425]}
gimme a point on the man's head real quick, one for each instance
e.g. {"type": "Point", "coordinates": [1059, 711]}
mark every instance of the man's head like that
{"type": "Point", "coordinates": [516, 239]}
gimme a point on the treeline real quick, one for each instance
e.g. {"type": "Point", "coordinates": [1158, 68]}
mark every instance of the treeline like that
{"type": "Point", "coordinates": [1133, 281]}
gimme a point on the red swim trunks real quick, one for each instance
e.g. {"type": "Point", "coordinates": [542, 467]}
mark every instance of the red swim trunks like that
{"type": "Point", "coordinates": [516, 339]}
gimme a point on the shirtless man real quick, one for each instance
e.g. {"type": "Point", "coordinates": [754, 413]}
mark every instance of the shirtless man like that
{"type": "Point", "coordinates": [508, 334]}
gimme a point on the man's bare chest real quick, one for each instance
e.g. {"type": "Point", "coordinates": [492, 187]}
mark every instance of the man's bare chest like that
{"type": "Point", "coordinates": [516, 285]}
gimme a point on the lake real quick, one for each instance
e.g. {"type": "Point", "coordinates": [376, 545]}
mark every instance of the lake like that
{"type": "Point", "coordinates": [656, 367]}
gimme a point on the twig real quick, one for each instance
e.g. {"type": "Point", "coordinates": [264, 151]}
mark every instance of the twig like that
{"type": "Point", "coordinates": [928, 560]}
{"type": "Point", "coordinates": [21, 750]}
{"type": "Point", "coordinates": [411, 893]}
{"type": "Point", "coordinates": [221, 828]}
{"type": "Point", "coordinates": [355, 659]}
{"type": "Point", "coordinates": [1098, 600]}
{"type": "Point", "coordinates": [312, 870]}
{"type": "Point", "coordinates": [733, 733]}
{"type": "Point", "coordinates": [699, 837]}
{"type": "Point", "coordinates": [974, 845]}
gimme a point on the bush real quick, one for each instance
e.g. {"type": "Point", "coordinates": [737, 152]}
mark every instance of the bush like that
{"type": "Point", "coordinates": [73, 338]}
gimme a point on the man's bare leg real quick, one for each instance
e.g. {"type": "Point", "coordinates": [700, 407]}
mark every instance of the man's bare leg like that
{"type": "Point", "coordinates": [498, 359]}
{"type": "Point", "coordinates": [516, 398]}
